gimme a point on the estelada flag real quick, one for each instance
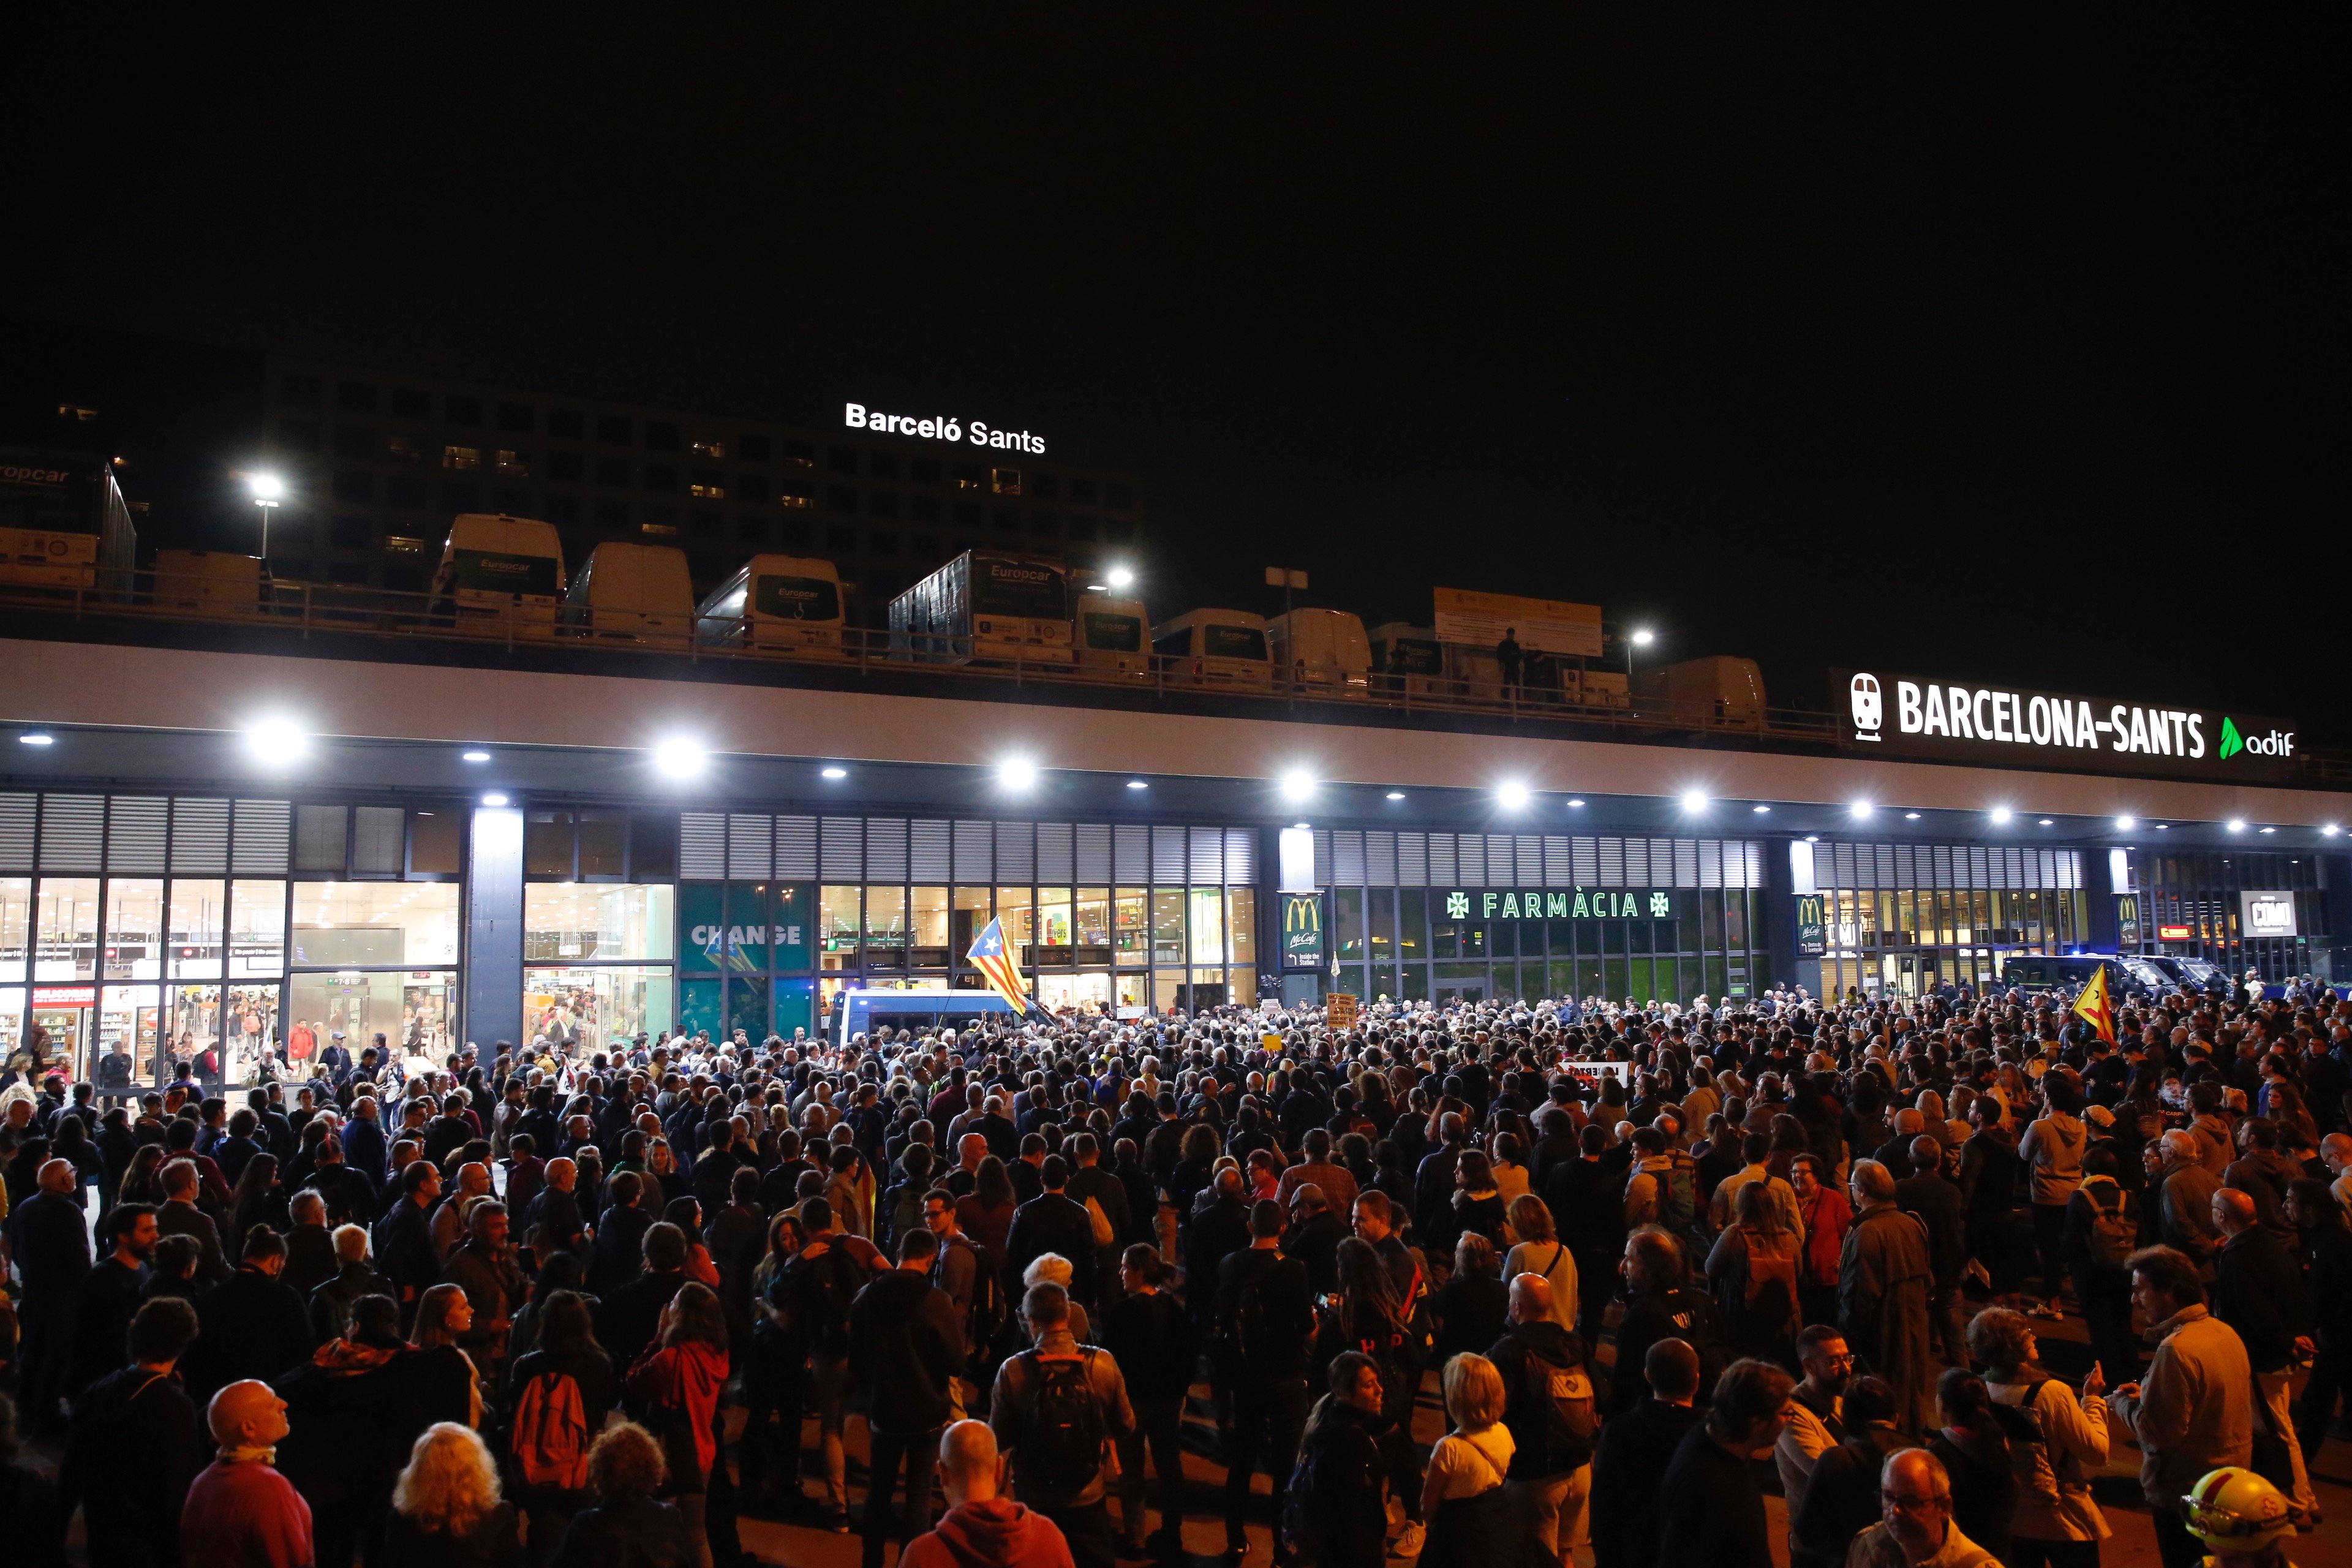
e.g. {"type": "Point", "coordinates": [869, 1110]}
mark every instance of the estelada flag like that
{"type": "Point", "coordinates": [2094, 1007]}
{"type": "Point", "coordinates": [989, 956]}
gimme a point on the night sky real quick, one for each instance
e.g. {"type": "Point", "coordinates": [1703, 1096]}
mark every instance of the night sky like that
{"type": "Point", "coordinates": [1982, 350]}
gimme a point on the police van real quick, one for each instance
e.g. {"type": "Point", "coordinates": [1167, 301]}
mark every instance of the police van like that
{"type": "Point", "coordinates": [856, 1012]}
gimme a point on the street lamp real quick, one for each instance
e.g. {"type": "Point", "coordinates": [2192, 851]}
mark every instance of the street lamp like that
{"type": "Point", "coordinates": [1640, 638]}
{"type": "Point", "coordinates": [268, 489]}
{"type": "Point", "coordinates": [1119, 577]}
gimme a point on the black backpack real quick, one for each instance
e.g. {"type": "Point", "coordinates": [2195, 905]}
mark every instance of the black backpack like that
{"type": "Point", "coordinates": [1062, 1449]}
{"type": "Point", "coordinates": [1562, 1396]}
{"type": "Point", "coordinates": [984, 1316]}
{"type": "Point", "coordinates": [824, 1289]}
{"type": "Point", "coordinates": [1248, 1345]}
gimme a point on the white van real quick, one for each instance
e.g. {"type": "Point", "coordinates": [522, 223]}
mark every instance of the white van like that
{"type": "Point", "coordinates": [499, 573]}
{"type": "Point", "coordinates": [1114, 638]}
{"type": "Point", "coordinates": [633, 593]}
{"type": "Point", "coordinates": [1217, 647]}
{"type": "Point", "coordinates": [1323, 650]}
{"type": "Point", "coordinates": [776, 603]}
{"type": "Point", "coordinates": [207, 583]}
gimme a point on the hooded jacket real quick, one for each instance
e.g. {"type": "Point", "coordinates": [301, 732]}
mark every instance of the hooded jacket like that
{"type": "Point", "coordinates": [905, 1343]}
{"type": "Point", "coordinates": [998, 1533]}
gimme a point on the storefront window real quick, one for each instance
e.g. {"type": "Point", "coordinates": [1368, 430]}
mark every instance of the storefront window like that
{"type": "Point", "coordinates": [1382, 932]}
{"type": "Point", "coordinates": [12, 1017]}
{"type": "Point", "coordinates": [194, 1020]}
{"type": "Point", "coordinates": [886, 927]}
{"type": "Point", "coordinates": [257, 936]}
{"type": "Point", "coordinates": [843, 918]}
{"type": "Point", "coordinates": [198, 917]}
{"type": "Point", "coordinates": [16, 924]}
{"type": "Point", "coordinates": [252, 1029]}
{"type": "Point", "coordinates": [1168, 925]}
{"type": "Point", "coordinates": [359, 924]}
{"type": "Point", "coordinates": [926, 926]}
{"type": "Point", "coordinates": [1016, 909]}
{"type": "Point", "coordinates": [968, 920]}
{"type": "Point", "coordinates": [1244, 931]}
{"type": "Point", "coordinates": [1129, 932]}
{"type": "Point", "coordinates": [583, 1010]}
{"type": "Point", "coordinates": [134, 929]}
{"type": "Point", "coordinates": [1053, 922]}
{"type": "Point", "coordinates": [410, 1009]}
{"type": "Point", "coordinates": [596, 921]}
{"type": "Point", "coordinates": [67, 919]}
{"type": "Point", "coordinates": [1207, 919]}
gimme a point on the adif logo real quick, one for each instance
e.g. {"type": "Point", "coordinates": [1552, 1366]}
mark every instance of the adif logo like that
{"type": "Point", "coordinates": [1869, 710]}
{"type": "Point", "coordinates": [2276, 744]}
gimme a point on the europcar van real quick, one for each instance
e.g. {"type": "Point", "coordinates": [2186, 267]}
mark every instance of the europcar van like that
{"type": "Point", "coordinates": [633, 593]}
{"type": "Point", "coordinates": [1217, 647]}
{"type": "Point", "coordinates": [776, 603]}
{"type": "Point", "coordinates": [207, 583]}
{"type": "Point", "coordinates": [1114, 636]}
{"type": "Point", "coordinates": [500, 574]}
{"type": "Point", "coordinates": [1322, 650]}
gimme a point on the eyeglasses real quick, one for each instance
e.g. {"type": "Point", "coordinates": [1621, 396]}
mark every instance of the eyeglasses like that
{"type": "Point", "coordinates": [1911, 1502]}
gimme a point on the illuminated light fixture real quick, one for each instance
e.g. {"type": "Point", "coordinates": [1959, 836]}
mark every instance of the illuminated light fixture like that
{"type": "Point", "coordinates": [1097, 588]}
{"type": "Point", "coordinates": [1859, 809]}
{"type": "Point", "coordinates": [1812, 838]}
{"type": "Point", "coordinates": [275, 741]}
{"type": "Point", "coordinates": [2236, 824]}
{"type": "Point", "coordinates": [2049, 822]}
{"type": "Point", "coordinates": [832, 772]}
{"type": "Point", "coordinates": [37, 739]}
{"type": "Point", "coordinates": [1297, 785]}
{"type": "Point", "coordinates": [1398, 795]}
{"type": "Point", "coordinates": [1643, 637]}
{"type": "Point", "coordinates": [1512, 793]}
{"type": "Point", "coordinates": [679, 759]}
{"type": "Point", "coordinates": [2166, 827]}
{"type": "Point", "coordinates": [1573, 803]}
{"type": "Point", "coordinates": [1761, 810]}
{"type": "Point", "coordinates": [2266, 830]}
{"type": "Point", "coordinates": [1017, 773]}
{"type": "Point", "coordinates": [1694, 800]}
{"type": "Point", "coordinates": [2001, 814]}
{"type": "Point", "coordinates": [266, 487]}
{"type": "Point", "coordinates": [475, 757]}
{"type": "Point", "coordinates": [1137, 784]}
{"type": "Point", "coordinates": [2329, 830]}
{"type": "Point", "coordinates": [2126, 824]}
{"type": "Point", "coordinates": [1119, 577]}
{"type": "Point", "coordinates": [494, 800]}
{"type": "Point", "coordinates": [1910, 816]}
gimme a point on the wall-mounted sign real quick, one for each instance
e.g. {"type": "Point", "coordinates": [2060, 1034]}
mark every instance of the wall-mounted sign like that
{"type": "Point", "coordinates": [1812, 926]}
{"type": "Point", "coordinates": [2126, 920]}
{"type": "Point", "coordinates": [2267, 914]}
{"type": "Point", "coordinates": [1302, 930]}
{"type": "Point", "coordinates": [1957, 721]}
{"type": "Point", "coordinates": [942, 427]}
{"type": "Point", "coordinates": [2175, 933]}
{"type": "Point", "coordinates": [1578, 904]}
{"type": "Point", "coordinates": [1539, 626]}
{"type": "Point", "coordinates": [65, 996]}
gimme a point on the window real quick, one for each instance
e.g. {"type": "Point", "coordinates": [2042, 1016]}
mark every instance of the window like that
{"type": "Point", "coordinates": [299, 434]}
{"type": "Point", "coordinates": [515, 417]}
{"type": "Point", "coordinates": [613, 516]}
{"type": "Point", "coordinates": [349, 533]}
{"type": "Point", "coordinates": [1006, 519]}
{"type": "Point", "coordinates": [1082, 526]}
{"type": "Point", "coordinates": [658, 521]}
{"type": "Point", "coordinates": [514, 503]}
{"type": "Point", "coordinates": [404, 450]}
{"type": "Point", "coordinates": [410, 402]}
{"type": "Point", "coordinates": [662, 476]}
{"type": "Point", "coordinates": [461, 456]}
{"type": "Point", "coordinates": [753, 449]}
{"type": "Point", "coordinates": [795, 454]}
{"type": "Point", "coordinates": [967, 475]}
{"type": "Point", "coordinates": [461, 498]}
{"type": "Point", "coordinates": [405, 490]}
{"type": "Point", "coordinates": [750, 529]}
{"type": "Point", "coordinates": [923, 508]}
{"type": "Point", "coordinates": [705, 485]}
{"type": "Point", "coordinates": [881, 583]}
{"type": "Point", "coordinates": [796, 533]}
{"type": "Point", "coordinates": [841, 498]}
{"type": "Point", "coordinates": [510, 461]}
{"type": "Point", "coordinates": [752, 488]}
{"type": "Point", "coordinates": [706, 524]}
{"type": "Point", "coordinates": [881, 542]}
{"type": "Point", "coordinates": [704, 567]}
{"type": "Point", "coordinates": [923, 546]}
{"type": "Point", "coordinates": [568, 422]}
{"type": "Point", "coordinates": [882, 503]}
{"type": "Point", "coordinates": [1119, 498]}
{"type": "Point", "coordinates": [1044, 486]}
{"type": "Point", "coordinates": [355, 396]}
{"type": "Point", "coordinates": [882, 464]}
{"type": "Point", "coordinates": [840, 539]}
{"type": "Point", "coordinates": [1120, 530]}
{"type": "Point", "coordinates": [613, 431]}
{"type": "Point", "coordinates": [1045, 525]}
{"type": "Point", "coordinates": [612, 471]}
{"type": "Point", "coordinates": [661, 437]}
{"type": "Point", "coordinates": [350, 441]}
{"type": "Point", "coordinates": [563, 465]}
{"type": "Point", "coordinates": [923, 471]}
{"type": "Point", "coordinates": [359, 489]}
{"type": "Point", "coordinates": [794, 496]}
{"type": "Point", "coordinates": [841, 459]}
{"type": "Point", "coordinates": [404, 544]}
{"type": "Point", "coordinates": [462, 410]}
{"type": "Point", "coordinates": [1082, 492]}
{"type": "Point", "coordinates": [199, 914]}
{"type": "Point", "coordinates": [967, 514]}
{"type": "Point", "coordinates": [301, 391]}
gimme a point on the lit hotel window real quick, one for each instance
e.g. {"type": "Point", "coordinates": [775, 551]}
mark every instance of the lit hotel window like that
{"type": "Point", "coordinates": [711, 449]}
{"type": "Point", "coordinates": [792, 498]}
{"type": "Point", "coordinates": [706, 492]}
{"type": "Point", "coordinates": [404, 450]}
{"type": "Point", "coordinates": [402, 544]}
{"type": "Point", "coordinates": [515, 463]}
{"type": "Point", "coordinates": [658, 527]}
{"type": "Point", "coordinates": [461, 456]}
{"type": "Point", "coordinates": [1004, 481]}
{"type": "Point", "coordinates": [967, 475]}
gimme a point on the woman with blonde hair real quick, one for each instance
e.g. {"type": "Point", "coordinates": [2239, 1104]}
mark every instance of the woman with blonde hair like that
{"type": "Point", "coordinates": [446, 1508]}
{"type": "Point", "coordinates": [1471, 1517]}
{"type": "Point", "coordinates": [448, 1381]}
{"type": "Point", "coordinates": [1540, 1250]}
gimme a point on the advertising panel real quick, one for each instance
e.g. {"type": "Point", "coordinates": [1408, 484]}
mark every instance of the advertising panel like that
{"type": "Point", "coordinates": [1542, 626]}
{"type": "Point", "coordinates": [1812, 926]}
{"type": "Point", "coordinates": [2267, 914]}
{"type": "Point", "coordinates": [1302, 930]}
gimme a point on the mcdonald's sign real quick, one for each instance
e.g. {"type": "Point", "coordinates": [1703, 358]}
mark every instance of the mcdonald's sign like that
{"type": "Point", "coordinates": [1302, 930]}
{"type": "Point", "coordinates": [1812, 928]}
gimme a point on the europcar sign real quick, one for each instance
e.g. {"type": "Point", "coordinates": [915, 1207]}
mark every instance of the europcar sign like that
{"type": "Point", "coordinates": [1904, 715]}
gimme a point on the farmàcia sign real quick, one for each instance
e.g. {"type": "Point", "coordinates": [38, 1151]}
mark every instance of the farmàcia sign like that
{"type": "Point", "coordinates": [942, 427]}
{"type": "Point", "coordinates": [1906, 715]}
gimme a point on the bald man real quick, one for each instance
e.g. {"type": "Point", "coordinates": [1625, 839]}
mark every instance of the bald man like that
{"type": "Point", "coordinates": [50, 1237]}
{"type": "Point", "coordinates": [2257, 1290]}
{"type": "Point", "coordinates": [241, 1513]}
{"type": "Point", "coordinates": [1551, 1415]}
{"type": "Point", "coordinates": [1917, 1526]}
{"type": "Point", "coordinates": [983, 1528]}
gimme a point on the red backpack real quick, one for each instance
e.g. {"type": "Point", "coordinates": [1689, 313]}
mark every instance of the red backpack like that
{"type": "Point", "coordinates": [551, 1432]}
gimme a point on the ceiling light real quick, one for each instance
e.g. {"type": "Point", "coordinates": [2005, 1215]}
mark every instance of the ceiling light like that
{"type": "Point", "coordinates": [2329, 830]}
{"type": "Point", "coordinates": [2166, 827]}
{"type": "Point", "coordinates": [1859, 809]}
{"type": "Point", "coordinates": [1910, 816]}
{"type": "Point", "coordinates": [1575, 803]}
{"type": "Point", "coordinates": [1694, 800]}
{"type": "Point", "coordinates": [1812, 838]}
{"type": "Point", "coordinates": [2236, 824]}
{"type": "Point", "coordinates": [679, 758]}
{"type": "Point", "coordinates": [832, 772]}
{"type": "Point", "coordinates": [275, 741]}
{"type": "Point", "coordinates": [1017, 773]}
{"type": "Point", "coordinates": [2126, 824]}
{"type": "Point", "coordinates": [1297, 785]}
{"type": "Point", "coordinates": [2049, 822]}
{"type": "Point", "coordinates": [2266, 830]}
{"type": "Point", "coordinates": [474, 756]}
{"type": "Point", "coordinates": [494, 800]}
{"type": "Point", "coordinates": [2001, 814]}
{"type": "Point", "coordinates": [37, 739]}
{"type": "Point", "coordinates": [1761, 810]}
{"type": "Point", "coordinates": [1512, 793]}
{"type": "Point", "coordinates": [1137, 784]}
{"type": "Point", "coordinates": [1398, 795]}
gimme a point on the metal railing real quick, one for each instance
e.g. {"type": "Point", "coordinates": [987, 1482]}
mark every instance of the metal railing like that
{"type": "Point", "coordinates": [305, 610]}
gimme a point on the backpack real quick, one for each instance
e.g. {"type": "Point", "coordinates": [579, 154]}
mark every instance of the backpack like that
{"type": "Point", "coordinates": [984, 1315]}
{"type": "Point", "coordinates": [1679, 1209]}
{"type": "Point", "coordinates": [1246, 1331]}
{"type": "Point", "coordinates": [549, 1433]}
{"type": "Point", "coordinates": [1771, 1296]}
{"type": "Point", "coordinates": [1100, 1222]}
{"type": "Point", "coordinates": [2112, 1236]}
{"type": "Point", "coordinates": [2028, 1451]}
{"type": "Point", "coordinates": [1564, 1395]}
{"type": "Point", "coordinates": [1062, 1449]}
{"type": "Point", "coordinates": [1296, 1525]}
{"type": "Point", "coordinates": [822, 1292]}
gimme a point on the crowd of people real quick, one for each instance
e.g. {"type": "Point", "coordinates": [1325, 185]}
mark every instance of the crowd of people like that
{"type": "Point", "coordinates": [1648, 1261]}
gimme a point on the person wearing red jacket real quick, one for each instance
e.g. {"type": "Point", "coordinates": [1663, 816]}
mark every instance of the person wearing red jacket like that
{"type": "Point", "coordinates": [983, 1528]}
{"type": "Point", "coordinates": [1827, 1215]}
{"type": "Point", "coordinates": [677, 1382]}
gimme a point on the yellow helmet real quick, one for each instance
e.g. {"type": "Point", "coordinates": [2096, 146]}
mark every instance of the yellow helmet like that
{"type": "Point", "coordinates": [2234, 1510]}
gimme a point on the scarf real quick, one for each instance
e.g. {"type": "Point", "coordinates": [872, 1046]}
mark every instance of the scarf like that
{"type": "Point", "coordinates": [249, 1456]}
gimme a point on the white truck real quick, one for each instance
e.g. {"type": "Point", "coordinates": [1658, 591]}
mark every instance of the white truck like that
{"type": "Point", "coordinates": [1217, 647]}
{"type": "Point", "coordinates": [1322, 651]}
{"type": "Point", "coordinates": [500, 575]}
{"type": "Point", "coordinates": [633, 593]}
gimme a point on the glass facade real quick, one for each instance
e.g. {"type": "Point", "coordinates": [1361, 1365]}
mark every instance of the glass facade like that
{"type": "Point", "coordinates": [2194, 906]}
{"type": "Point", "coordinates": [1448, 917]}
{"type": "Point", "coordinates": [1900, 918]}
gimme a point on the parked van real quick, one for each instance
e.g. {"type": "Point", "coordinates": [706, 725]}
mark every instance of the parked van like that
{"type": "Point", "coordinates": [207, 583]}
{"type": "Point", "coordinates": [2070, 972]}
{"type": "Point", "coordinates": [1714, 690]}
{"type": "Point", "coordinates": [1218, 647]}
{"type": "Point", "coordinates": [633, 593]}
{"type": "Point", "coordinates": [861, 1011]}
{"type": "Point", "coordinates": [1322, 650]}
{"type": "Point", "coordinates": [1114, 636]}
{"type": "Point", "coordinates": [500, 574]}
{"type": "Point", "coordinates": [986, 605]}
{"type": "Point", "coordinates": [776, 603]}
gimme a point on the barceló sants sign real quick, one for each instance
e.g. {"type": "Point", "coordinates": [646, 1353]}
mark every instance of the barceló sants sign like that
{"type": "Point", "coordinates": [942, 427]}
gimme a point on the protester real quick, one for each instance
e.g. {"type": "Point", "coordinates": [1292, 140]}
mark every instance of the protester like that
{"type": "Point", "coordinates": [446, 1508]}
{"type": "Point", "coordinates": [240, 1512]}
{"type": "Point", "coordinates": [2194, 1411]}
{"type": "Point", "coordinates": [1053, 1409]}
{"type": "Point", "coordinates": [1884, 1281]}
{"type": "Point", "coordinates": [627, 1524]}
{"type": "Point", "coordinates": [1714, 1504]}
{"type": "Point", "coordinates": [1918, 1527]}
{"type": "Point", "coordinates": [2059, 1441]}
{"type": "Point", "coordinates": [1337, 1494]}
{"type": "Point", "coordinates": [1551, 1415]}
{"type": "Point", "coordinates": [982, 1528]}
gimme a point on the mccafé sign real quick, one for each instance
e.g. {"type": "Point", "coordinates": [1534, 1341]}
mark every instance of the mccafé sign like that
{"type": "Point", "coordinates": [1906, 715]}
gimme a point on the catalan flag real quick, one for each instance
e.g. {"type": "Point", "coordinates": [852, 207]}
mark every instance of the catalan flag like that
{"type": "Point", "coordinates": [990, 956]}
{"type": "Point", "coordinates": [2094, 1007]}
